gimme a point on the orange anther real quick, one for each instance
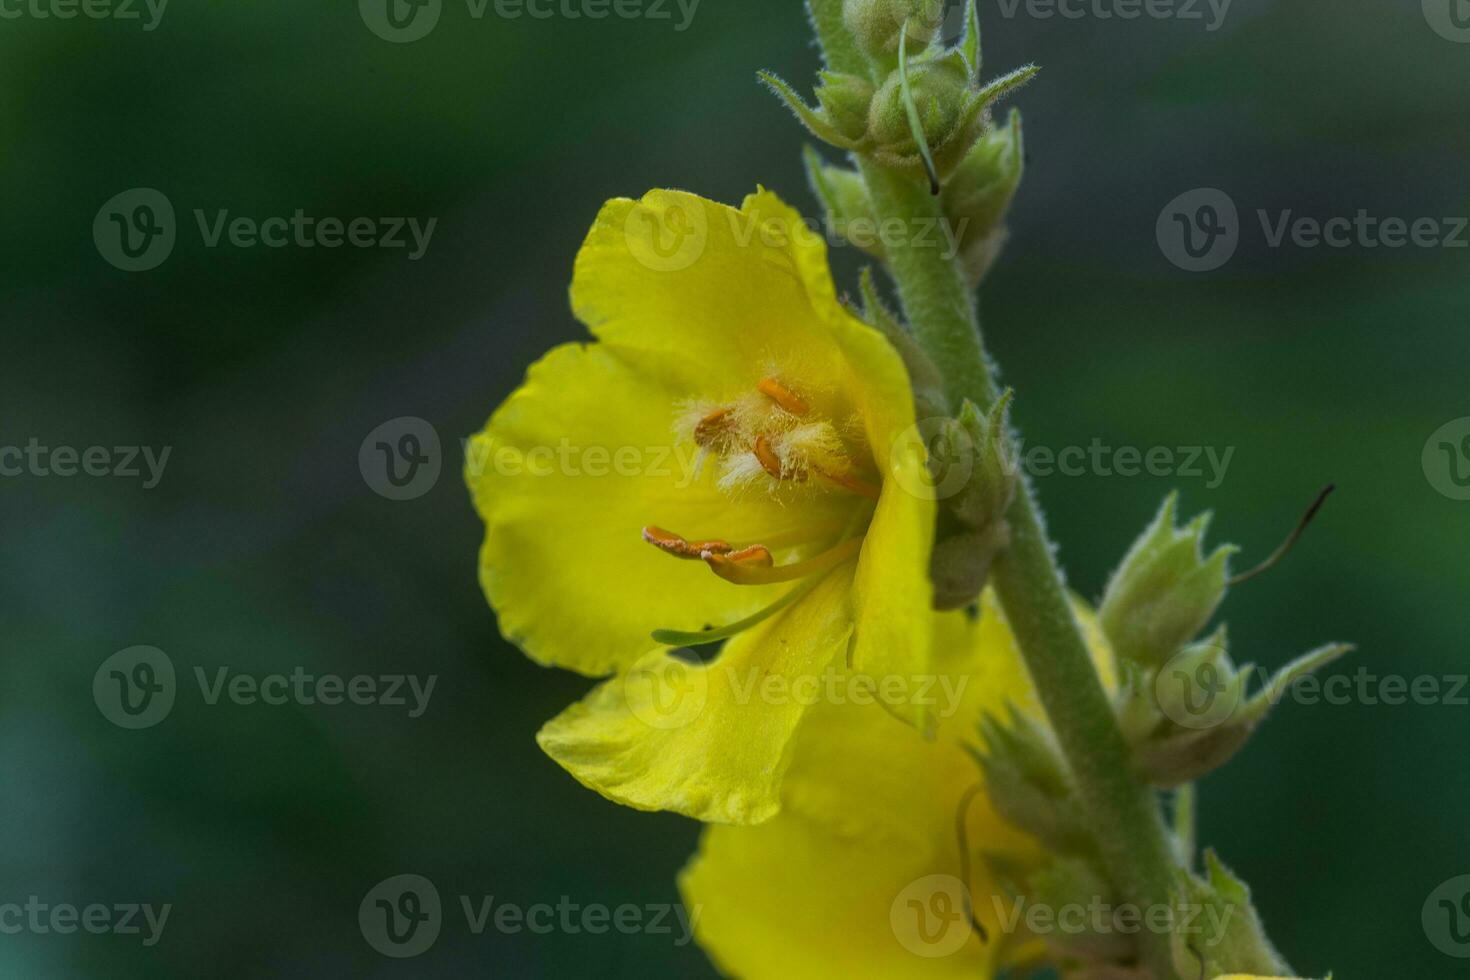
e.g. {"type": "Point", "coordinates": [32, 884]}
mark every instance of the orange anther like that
{"type": "Point", "coordinates": [670, 543]}
{"type": "Point", "coordinates": [848, 482]}
{"type": "Point", "coordinates": [714, 426]}
{"type": "Point", "coordinates": [767, 456]}
{"type": "Point", "coordinates": [783, 396]}
{"type": "Point", "coordinates": [757, 555]}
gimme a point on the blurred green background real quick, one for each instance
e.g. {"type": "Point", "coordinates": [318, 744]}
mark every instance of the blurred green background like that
{"type": "Point", "coordinates": [262, 548]}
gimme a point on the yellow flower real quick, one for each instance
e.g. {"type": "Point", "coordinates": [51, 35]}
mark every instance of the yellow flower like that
{"type": "Point", "coordinates": [728, 460]}
{"type": "Point", "coordinates": [865, 872]}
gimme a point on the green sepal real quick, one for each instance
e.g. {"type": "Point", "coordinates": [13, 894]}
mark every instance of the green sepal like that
{"type": "Point", "coordinates": [815, 121]}
{"type": "Point", "coordinates": [1165, 591]}
{"type": "Point", "coordinates": [979, 193]}
{"type": "Point", "coordinates": [1230, 937]}
{"type": "Point", "coordinates": [1029, 784]}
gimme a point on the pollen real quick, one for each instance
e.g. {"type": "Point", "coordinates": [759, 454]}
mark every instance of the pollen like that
{"type": "Point", "coordinates": [771, 438]}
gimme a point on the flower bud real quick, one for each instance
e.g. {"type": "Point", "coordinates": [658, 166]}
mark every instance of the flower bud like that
{"type": "Point", "coordinates": [992, 485]}
{"type": "Point", "coordinates": [1227, 938]}
{"type": "Point", "coordinates": [1192, 715]}
{"type": "Point", "coordinates": [845, 101]}
{"type": "Point", "coordinates": [877, 25]}
{"type": "Point", "coordinates": [1165, 591]}
{"type": "Point", "coordinates": [1029, 784]}
{"type": "Point", "coordinates": [948, 111]}
{"type": "Point", "coordinates": [971, 454]}
{"type": "Point", "coordinates": [1077, 883]}
{"type": "Point", "coordinates": [979, 192]}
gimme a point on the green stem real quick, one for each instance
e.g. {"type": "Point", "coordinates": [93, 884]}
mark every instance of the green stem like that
{"type": "Point", "coordinates": [939, 306]}
{"type": "Point", "coordinates": [1130, 827]}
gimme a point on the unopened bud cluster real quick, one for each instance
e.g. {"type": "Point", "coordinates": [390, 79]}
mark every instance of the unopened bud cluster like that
{"type": "Point", "coordinates": [1183, 704]}
{"type": "Point", "coordinates": [924, 115]}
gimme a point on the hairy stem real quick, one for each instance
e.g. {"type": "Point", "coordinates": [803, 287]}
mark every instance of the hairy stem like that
{"type": "Point", "coordinates": [940, 308]}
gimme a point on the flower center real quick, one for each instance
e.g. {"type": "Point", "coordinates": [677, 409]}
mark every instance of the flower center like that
{"type": "Point", "coordinates": [773, 438]}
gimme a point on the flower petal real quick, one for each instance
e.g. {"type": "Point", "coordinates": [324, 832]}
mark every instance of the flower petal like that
{"type": "Point", "coordinates": [716, 290]}
{"type": "Point", "coordinates": [859, 874]}
{"type": "Point", "coordinates": [788, 901]}
{"type": "Point", "coordinates": [709, 741]}
{"type": "Point", "coordinates": [566, 475]}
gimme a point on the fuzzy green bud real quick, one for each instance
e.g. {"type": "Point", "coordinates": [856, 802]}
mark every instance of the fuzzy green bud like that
{"type": "Point", "coordinates": [1029, 784]}
{"type": "Point", "coordinates": [1165, 591]}
{"type": "Point", "coordinates": [1193, 714]}
{"type": "Point", "coordinates": [1077, 883]}
{"type": "Point", "coordinates": [979, 192]}
{"type": "Point", "coordinates": [846, 101]}
{"type": "Point", "coordinates": [947, 114]}
{"type": "Point", "coordinates": [1226, 937]}
{"type": "Point", "coordinates": [974, 474]}
{"type": "Point", "coordinates": [877, 25]}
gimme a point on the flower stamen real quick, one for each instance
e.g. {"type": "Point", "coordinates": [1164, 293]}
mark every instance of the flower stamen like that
{"type": "Point", "coordinates": [672, 544]}
{"type": "Point", "coordinates": [769, 461]}
{"type": "Point", "coordinates": [714, 429]}
{"type": "Point", "coordinates": [747, 573]}
{"type": "Point", "coordinates": [849, 482]}
{"type": "Point", "coordinates": [783, 396]}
